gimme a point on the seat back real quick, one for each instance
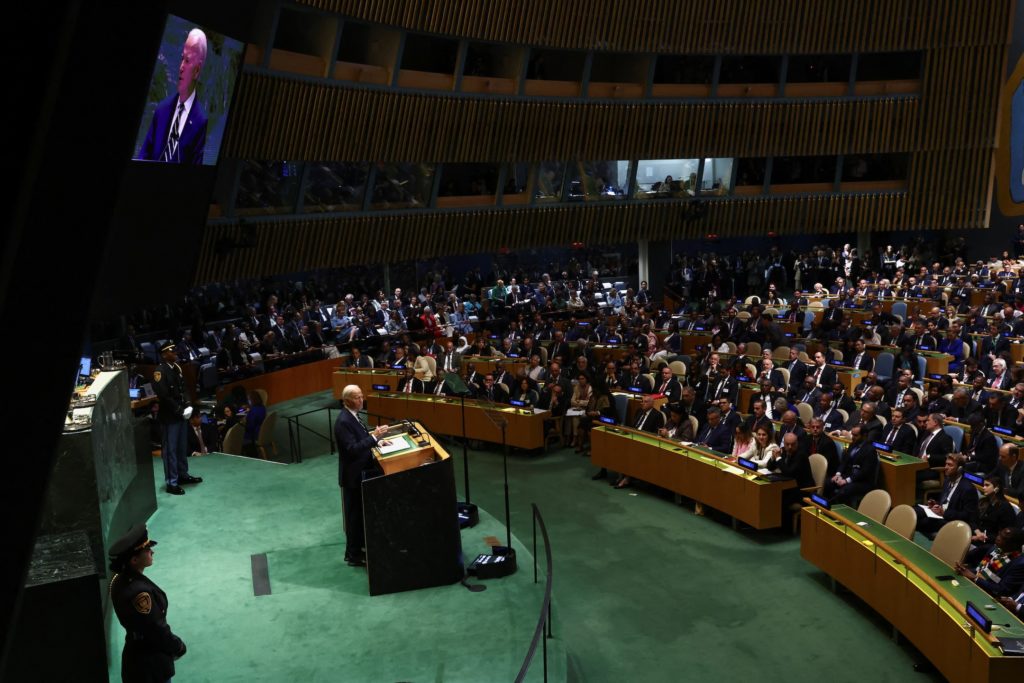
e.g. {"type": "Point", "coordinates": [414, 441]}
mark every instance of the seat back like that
{"type": "Point", "coordinates": [233, 440]}
{"type": "Point", "coordinates": [819, 468]}
{"type": "Point", "coordinates": [837, 354]}
{"type": "Point", "coordinates": [952, 541]}
{"type": "Point", "coordinates": [621, 404]}
{"type": "Point", "coordinates": [903, 520]}
{"type": "Point", "coordinates": [263, 395]}
{"type": "Point", "coordinates": [922, 368]}
{"type": "Point", "coordinates": [753, 348]}
{"type": "Point", "coordinates": [785, 375]}
{"type": "Point", "coordinates": [781, 353]}
{"type": "Point", "coordinates": [806, 412]}
{"type": "Point", "coordinates": [678, 368]}
{"type": "Point", "coordinates": [808, 320]}
{"type": "Point", "coordinates": [900, 308]}
{"type": "Point", "coordinates": [957, 434]}
{"type": "Point", "coordinates": [883, 366]}
{"type": "Point", "coordinates": [875, 505]}
{"type": "Point", "coordinates": [694, 424]}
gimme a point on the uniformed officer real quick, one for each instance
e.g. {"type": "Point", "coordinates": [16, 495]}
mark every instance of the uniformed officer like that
{"type": "Point", "coordinates": [169, 385]}
{"type": "Point", "coordinates": [150, 646]}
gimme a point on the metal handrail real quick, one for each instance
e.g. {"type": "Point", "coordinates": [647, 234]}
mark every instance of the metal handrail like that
{"type": "Point", "coordinates": [295, 428]}
{"type": "Point", "coordinates": [543, 630]}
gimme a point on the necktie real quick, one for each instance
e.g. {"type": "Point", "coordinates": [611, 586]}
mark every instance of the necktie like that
{"type": "Point", "coordinates": [171, 149]}
{"type": "Point", "coordinates": [856, 361]}
{"type": "Point", "coordinates": [924, 445]}
{"type": "Point", "coordinates": [996, 381]}
{"type": "Point", "coordinates": [642, 420]}
{"type": "Point", "coordinates": [448, 362]}
{"type": "Point", "coordinates": [440, 387]}
{"type": "Point", "coordinates": [408, 386]}
{"type": "Point", "coordinates": [892, 436]}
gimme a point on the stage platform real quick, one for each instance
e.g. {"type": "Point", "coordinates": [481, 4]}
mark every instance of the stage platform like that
{"type": "Point", "coordinates": [318, 622]}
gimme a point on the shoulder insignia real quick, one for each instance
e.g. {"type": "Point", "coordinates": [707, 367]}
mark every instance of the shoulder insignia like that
{"type": "Point", "coordinates": [143, 603]}
{"type": "Point", "coordinates": [157, 375]}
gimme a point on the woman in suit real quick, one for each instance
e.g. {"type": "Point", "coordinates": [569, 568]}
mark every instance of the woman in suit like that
{"type": "Point", "coordinates": [743, 444]}
{"type": "Point", "coordinates": [524, 392]}
{"type": "Point", "coordinates": [765, 447]}
{"type": "Point", "coordinates": [994, 511]}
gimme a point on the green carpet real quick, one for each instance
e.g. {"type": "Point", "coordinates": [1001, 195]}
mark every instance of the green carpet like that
{"type": "Point", "coordinates": [644, 590]}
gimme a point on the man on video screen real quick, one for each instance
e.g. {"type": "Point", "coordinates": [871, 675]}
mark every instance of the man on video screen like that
{"type": "Point", "coordinates": [177, 133]}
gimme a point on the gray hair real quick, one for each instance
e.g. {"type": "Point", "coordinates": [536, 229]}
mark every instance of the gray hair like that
{"type": "Point", "coordinates": [197, 37]}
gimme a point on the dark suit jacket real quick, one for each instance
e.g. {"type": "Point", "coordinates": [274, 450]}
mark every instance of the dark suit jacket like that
{"type": "Point", "coordinates": [354, 448]}
{"type": "Point", "coordinates": [938, 448]}
{"type": "Point", "coordinates": [905, 439]}
{"type": "Point", "coordinates": [797, 466]}
{"type": "Point", "coordinates": [717, 439]}
{"type": "Point", "coordinates": [860, 464]}
{"type": "Point", "coordinates": [673, 391]}
{"type": "Point", "coordinates": [1011, 580]}
{"type": "Point", "coordinates": [363, 362]}
{"type": "Point", "coordinates": [640, 380]}
{"type": "Point", "coordinates": [655, 421]}
{"type": "Point", "coordinates": [191, 136]}
{"type": "Point", "coordinates": [960, 414]}
{"type": "Point", "coordinates": [797, 372]}
{"type": "Point", "coordinates": [867, 363]}
{"type": "Point", "coordinates": [983, 451]}
{"type": "Point", "coordinates": [827, 447]}
{"type": "Point", "coordinates": [828, 375]}
{"type": "Point", "coordinates": [962, 501]}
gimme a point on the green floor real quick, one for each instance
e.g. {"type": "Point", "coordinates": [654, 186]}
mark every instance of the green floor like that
{"type": "Point", "coordinates": [644, 590]}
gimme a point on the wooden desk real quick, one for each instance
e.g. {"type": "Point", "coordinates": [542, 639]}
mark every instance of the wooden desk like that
{"type": "Point", "coordinates": [691, 340]}
{"type": "Point", "coordinates": [616, 352]}
{"type": "Point", "coordinates": [693, 472]}
{"type": "Point", "coordinates": [897, 578]}
{"type": "Point", "coordinates": [364, 378]}
{"type": "Point", "coordinates": [289, 383]}
{"type": "Point", "coordinates": [525, 428]}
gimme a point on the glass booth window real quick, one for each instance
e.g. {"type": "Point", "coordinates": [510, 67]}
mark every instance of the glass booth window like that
{"type": "Point", "coordinates": [666, 178]}
{"type": "Point", "coordinates": [517, 184]}
{"type": "Point", "coordinates": [549, 181]}
{"type": "Point", "coordinates": [597, 180]}
{"type": "Point", "coordinates": [717, 176]}
{"type": "Point", "coordinates": [335, 186]}
{"type": "Point", "coordinates": [402, 186]}
{"type": "Point", "coordinates": [268, 187]}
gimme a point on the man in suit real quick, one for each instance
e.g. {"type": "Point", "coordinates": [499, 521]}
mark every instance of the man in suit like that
{"type": "Point", "coordinates": [934, 444]}
{"type": "Point", "coordinates": [857, 472]}
{"type": "Point", "coordinates": [771, 374]}
{"type": "Point", "coordinates": [715, 434]}
{"type": "Point", "coordinates": [358, 360]}
{"type": "Point", "coordinates": [647, 418]}
{"type": "Point", "coordinates": [177, 132]}
{"type": "Point", "coordinates": [825, 411]}
{"type": "Point", "coordinates": [808, 393]}
{"type": "Point", "coordinates": [791, 425]}
{"type": "Point", "coordinates": [999, 378]}
{"type": "Point", "coordinates": [758, 416]}
{"type": "Point", "coordinates": [490, 391]}
{"type": "Point", "coordinates": [797, 369]}
{"type": "Point", "coordinates": [355, 462]}
{"type": "Point", "coordinates": [202, 438]}
{"type": "Point", "coordinates": [958, 499]}
{"type": "Point", "coordinates": [820, 442]}
{"type": "Point", "coordinates": [668, 385]}
{"type": "Point", "coordinates": [1004, 580]}
{"type": "Point", "coordinates": [982, 452]}
{"type": "Point", "coordinates": [634, 378]}
{"type": "Point", "coordinates": [899, 435]}
{"type": "Point", "coordinates": [1012, 469]}
{"type": "Point", "coordinates": [824, 375]}
{"type": "Point", "coordinates": [962, 405]}
{"type": "Point", "coordinates": [792, 461]}
{"type": "Point", "coordinates": [997, 413]}
{"type": "Point", "coordinates": [861, 359]}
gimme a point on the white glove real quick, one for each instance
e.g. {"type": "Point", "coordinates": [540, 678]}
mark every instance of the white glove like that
{"type": "Point", "coordinates": [187, 413]}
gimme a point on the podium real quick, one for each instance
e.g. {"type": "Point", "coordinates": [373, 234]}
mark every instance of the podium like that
{"type": "Point", "coordinates": [410, 516]}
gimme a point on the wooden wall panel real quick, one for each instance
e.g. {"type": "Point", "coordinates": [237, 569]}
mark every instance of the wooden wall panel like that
{"type": "Point", "coordinates": [277, 117]}
{"type": "Point", "coordinates": [734, 26]}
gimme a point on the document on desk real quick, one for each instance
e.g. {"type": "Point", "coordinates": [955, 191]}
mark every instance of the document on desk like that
{"type": "Point", "coordinates": [538, 411]}
{"type": "Point", "coordinates": [928, 511]}
{"type": "Point", "coordinates": [392, 445]}
{"type": "Point", "coordinates": [575, 412]}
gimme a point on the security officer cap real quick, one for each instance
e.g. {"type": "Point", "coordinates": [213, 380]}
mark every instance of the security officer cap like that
{"type": "Point", "coordinates": [132, 542]}
{"type": "Point", "coordinates": [169, 346]}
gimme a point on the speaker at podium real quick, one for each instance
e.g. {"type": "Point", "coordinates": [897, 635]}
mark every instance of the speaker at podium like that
{"type": "Point", "coordinates": [410, 514]}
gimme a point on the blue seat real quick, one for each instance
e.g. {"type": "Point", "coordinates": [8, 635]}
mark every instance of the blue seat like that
{"type": "Point", "coordinates": [621, 402]}
{"type": "Point", "coordinates": [957, 434]}
{"type": "Point", "coordinates": [149, 352]}
{"type": "Point", "coordinates": [808, 320]}
{"type": "Point", "coordinates": [883, 366]}
{"type": "Point", "coordinates": [900, 308]}
{"type": "Point", "coordinates": [922, 370]}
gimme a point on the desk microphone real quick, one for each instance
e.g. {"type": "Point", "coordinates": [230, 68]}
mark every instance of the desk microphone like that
{"type": "Point", "coordinates": [412, 429]}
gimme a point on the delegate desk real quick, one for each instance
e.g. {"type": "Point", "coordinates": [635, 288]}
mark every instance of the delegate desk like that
{"type": "Point", "coordinates": [690, 471]}
{"type": "Point", "coordinates": [365, 378]}
{"type": "Point", "coordinates": [898, 472]}
{"type": "Point", "coordinates": [409, 515]}
{"type": "Point", "coordinates": [634, 402]}
{"type": "Point", "coordinates": [443, 415]}
{"type": "Point", "coordinates": [899, 580]}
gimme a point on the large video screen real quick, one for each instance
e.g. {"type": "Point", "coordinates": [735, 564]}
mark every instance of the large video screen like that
{"type": "Point", "coordinates": [189, 95]}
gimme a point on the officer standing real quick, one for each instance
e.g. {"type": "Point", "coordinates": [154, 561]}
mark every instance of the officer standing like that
{"type": "Point", "coordinates": [150, 646]}
{"type": "Point", "coordinates": [169, 385]}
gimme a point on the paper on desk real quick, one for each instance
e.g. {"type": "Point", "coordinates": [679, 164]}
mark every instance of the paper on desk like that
{"type": "Point", "coordinates": [575, 412]}
{"type": "Point", "coordinates": [538, 411]}
{"type": "Point", "coordinates": [928, 512]}
{"type": "Point", "coordinates": [390, 445]}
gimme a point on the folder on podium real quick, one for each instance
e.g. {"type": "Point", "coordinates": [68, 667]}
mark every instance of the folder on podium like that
{"type": "Point", "coordinates": [410, 515]}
